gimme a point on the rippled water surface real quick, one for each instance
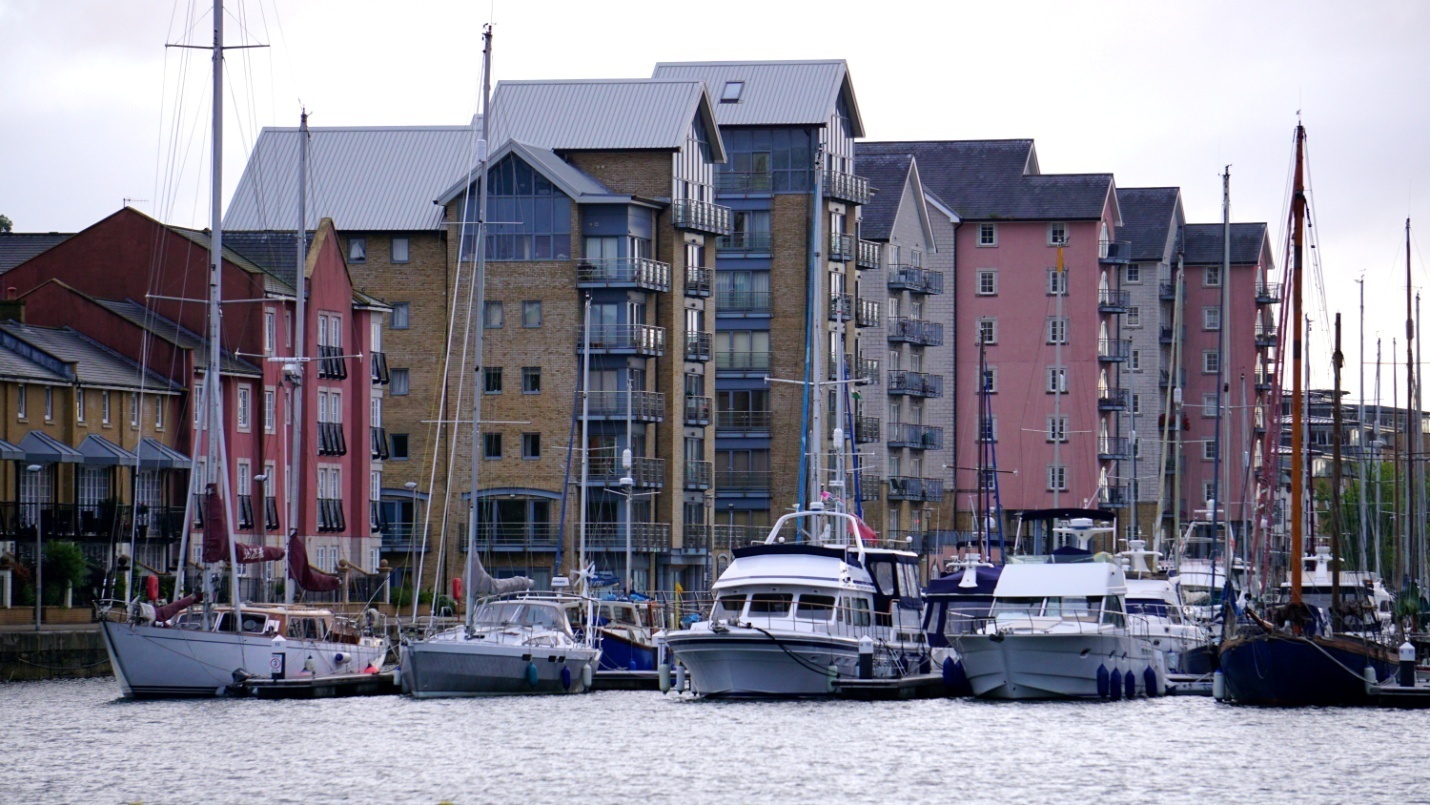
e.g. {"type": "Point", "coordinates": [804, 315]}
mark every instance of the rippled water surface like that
{"type": "Point", "coordinates": [77, 742]}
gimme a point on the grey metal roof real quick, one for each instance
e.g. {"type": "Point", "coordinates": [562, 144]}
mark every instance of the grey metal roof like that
{"type": "Point", "coordinates": [378, 178]}
{"type": "Point", "coordinates": [1149, 218]}
{"type": "Point", "coordinates": [170, 331]}
{"type": "Point", "coordinates": [10, 452]}
{"type": "Point", "coordinates": [42, 448]}
{"type": "Point", "coordinates": [17, 247]}
{"type": "Point", "coordinates": [93, 363]}
{"type": "Point", "coordinates": [776, 93]}
{"type": "Point", "coordinates": [24, 362]}
{"type": "Point", "coordinates": [154, 454]}
{"type": "Point", "coordinates": [887, 175]}
{"type": "Point", "coordinates": [276, 252]}
{"type": "Point", "coordinates": [571, 180]}
{"type": "Point", "coordinates": [1202, 243]}
{"type": "Point", "coordinates": [602, 114]}
{"type": "Point", "coordinates": [100, 452]}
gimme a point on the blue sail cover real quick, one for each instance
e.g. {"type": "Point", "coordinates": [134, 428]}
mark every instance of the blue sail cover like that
{"type": "Point", "coordinates": [986, 577]}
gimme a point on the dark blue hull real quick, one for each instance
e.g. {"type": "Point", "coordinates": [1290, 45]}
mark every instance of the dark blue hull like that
{"type": "Point", "coordinates": [1281, 670]}
{"type": "Point", "coordinates": [620, 654]}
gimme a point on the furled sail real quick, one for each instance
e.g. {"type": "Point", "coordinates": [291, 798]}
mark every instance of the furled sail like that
{"type": "Point", "coordinates": [216, 536]}
{"type": "Point", "coordinates": [484, 584]}
{"type": "Point", "coordinates": [308, 577]}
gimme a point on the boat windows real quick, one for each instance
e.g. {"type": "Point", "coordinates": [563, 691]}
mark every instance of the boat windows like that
{"type": "Point", "coordinates": [815, 607]}
{"type": "Point", "coordinates": [770, 605]}
{"type": "Point", "coordinates": [1074, 607]}
{"type": "Point", "coordinates": [854, 612]}
{"type": "Point", "coordinates": [306, 629]}
{"type": "Point", "coordinates": [727, 607]}
{"type": "Point", "coordinates": [908, 581]}
{"type": "Point", "coordinates": [1113, 611]}
{"type": "Point", "coordinates": [883, 573]}
{"type": "Point", "coordinates": [1152, 608]}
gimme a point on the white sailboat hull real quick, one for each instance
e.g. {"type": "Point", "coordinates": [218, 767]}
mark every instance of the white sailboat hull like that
{"type": "Point", "coordinates": [154, 662]}
{"type": "Point", "coordinates": [1056, 666]}
{"type": "Point", "coordinates": [457, 667]}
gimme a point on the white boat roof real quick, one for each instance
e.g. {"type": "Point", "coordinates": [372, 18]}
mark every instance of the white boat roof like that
{"type": "Point", "coordinates": [1068, 579]}
{"type": "Point", "coordinates": [794, 569]}
{"type": "Point", "coordinates": [1160, 589]}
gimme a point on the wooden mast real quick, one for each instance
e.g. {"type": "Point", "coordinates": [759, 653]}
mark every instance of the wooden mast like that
{"type": "Point", "coordinates": [1297, 507]}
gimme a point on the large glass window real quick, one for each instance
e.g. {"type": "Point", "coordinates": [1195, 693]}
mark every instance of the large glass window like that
{"type": "Point", "coordinates": [531, 219]}
{"type": "Point", "coordinates": [781, 160]}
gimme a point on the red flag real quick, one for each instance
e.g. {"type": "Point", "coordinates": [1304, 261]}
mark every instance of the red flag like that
{"type": "Point", "coordinates": [862, 530]}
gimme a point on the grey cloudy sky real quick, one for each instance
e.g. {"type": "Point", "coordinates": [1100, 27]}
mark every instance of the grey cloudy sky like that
{"type": "Point", "coordinates": [94, 108]}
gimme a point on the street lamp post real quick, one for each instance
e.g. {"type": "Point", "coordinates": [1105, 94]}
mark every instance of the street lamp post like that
{"type": "Point", "coordinates": [39, 551]}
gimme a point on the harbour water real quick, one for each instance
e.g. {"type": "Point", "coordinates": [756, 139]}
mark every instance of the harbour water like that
{"type": "Point", "coordinates": [77, 742]}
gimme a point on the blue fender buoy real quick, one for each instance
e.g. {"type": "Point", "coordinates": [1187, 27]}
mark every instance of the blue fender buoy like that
{"type": "Point", "coordinates": [1149, 680]}
{"type": "Point", "coordinates": [531, 676]}
{"type": "Point", "coordinates": [1102, 682]}
{"type": "Point", "coordinates": [1114, 686]}
{"type": "Point", "coordinates": [566, 677]}
{"type": "Point", "coordinates": [1131, 684]}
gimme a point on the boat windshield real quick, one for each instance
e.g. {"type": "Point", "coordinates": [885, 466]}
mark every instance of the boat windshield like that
{"type": "Point", "coordinates": [1067, 607]}
{"type": "Point", "coordinates": [516, 613]}
{"type": "Point", "coordinates": [770, 605]}
{"type": "Point", "coordinates": [814, 607]}
{"type": "Point", "coordinates": [1153, 608]}
{"type": "Point", "coordinates": [727, 607]}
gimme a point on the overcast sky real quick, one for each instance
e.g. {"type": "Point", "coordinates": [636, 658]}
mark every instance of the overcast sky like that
{"type": "Point", "coordinates": [94, 109]}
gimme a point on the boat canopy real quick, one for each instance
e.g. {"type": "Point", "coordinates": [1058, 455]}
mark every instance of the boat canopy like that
{"type": "Point", "coordinates": [1086, 579]}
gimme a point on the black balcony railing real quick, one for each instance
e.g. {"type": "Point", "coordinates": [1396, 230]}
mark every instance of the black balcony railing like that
{"type": "Point", "coordinates": [379, 448]}
{"type": "Point", "coordinates": [866, 429]}
{"type": "Point", "coordinates": [1166, 291]}
{"type": "Point", "coordinates": [644, 406]}
{"type": "Point", "coordinates": [1113, 399]}
{"type": "Point", "coordinates": [742, 302]}
{"type": "Point", "coordinates": [375, 520]}
{"type": "Point", "coordinates": [330, 515]}
{"type": "Point", "coordinates": [698, 474]}
{"type": "Point", "coordinates": [623, 272]}
{"type": "Point", "coordinates": [1113, 301]}
{"type": "Point", "coordinates": [915, 331]}
{"type": "Point", "coordinates": [743, 182]}
{"type": "Point", "coordinates": [742, 481]}
{"type": "Point", "coordinates": [841, 307]}
{"type": "Point", "coordinates": [868, 255]}
{"type": "Point", "coordinates": [1268, 293]}
{"type": "Point", "coordinates": [1111, 350]}
{"type": "Point", "coordinates": [698, 281]}
{"type": "Point", "coordinates": [380, 373]}
{"type": "Point", "coordinates": [742, 361]}
{"type": "Point", "coordinates": [1114, 252]}
{"type": "Point", "coordinates": [624, 339]}
{"type": "Point", "coordinates": [918, 384]}
{"type": "Point", "coordinates": [742, 422]}
{"type": "Point", "coordinates": [331, 441]}
{"type": "Point", "coordinates": [697, 411]}
{"type": "Point", "coordinates": [701, 216]}
{"type": "Point", "coordinates": [1113, 448]}
{"type": "Point", "coordinates": [916, 437]}
{"type": "Point", "coordinates": [867, 313]}
{"type": "Point", "coordinates": [915, 279]}
{"type": "Point", "coordinates": [841, 247]}
{"type": "Point", "coordinates": [928, 490]}
{"type": "Point", "coordinates": [694, 537]}
{"type": "Point", "coordinates": [1114, 497]}
{"type": "Point", "coordinates": [644, 537]}
{"type": "Point", "coordinates": [331, 363]}
{"type": "Point", "coordinates": [744, 242]}
{"type": "Point", "coordinates": [697, 346]}
{"type": "Point", "coordinates": [648, 473]}
{"type": "Point", "coordinates": [1266, 335]}
{"type": "Point", "coordinates": [846, 187]}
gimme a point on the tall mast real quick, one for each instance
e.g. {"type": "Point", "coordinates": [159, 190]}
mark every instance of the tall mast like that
{"type": "Point", "coordinates": [1361, 438]}
{"type": "Point", "coordinates": [1222, 490]}
{"type": "Point", "coordinates": [1298, 222]}
{"type": "Point", "coordinates": [479, 277]}
{"type": "Point", "coordinates": [1375, 440]}
{"type": "Point", "coordinates": [300, 329]}
{"type": "Point", "coordinates": [1060, 430]}
{"type": "Point", "coordinates": [1412, 442]}
{"type": "Point", "coordinates": [1399, 522]}
{"type": "Point", "coordinates": [1336, 515]}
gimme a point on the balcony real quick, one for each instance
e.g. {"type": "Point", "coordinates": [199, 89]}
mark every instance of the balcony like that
{"type": "Point", "coordinates": [623, 272]}
{"type": "Point", "coordinates": [1110, 350]}
{"type": "Point", "coordinates": [841, 247]}
{"type": "Point", "coordinates": [846, 187]}
{"type": "Point", "coordinates": [866, 429]}
{"type": "Point", "coordinates": [915, 437]}
{"type": "Point", "coordinates": [331, 363]}
{"type": "Point", "coordinates": [701, 216]}
{"type": "Point", "coordinates": [695, 537]}
{"type": "Point", "coordinates": [331, 441]}
{"type": "Point", "coordinates": [742, 362]}
{"type": "Point", "coordinates": [742, 423]}
{"type": "Point", "coordinates": [513, 536]}
{"type": "Point", "coordinates": [742, 303]}
{"type": "Point", "coordinates": [644, 537]}
{"type": "Point", "coordinates": [871, 486]}
{"type": "Point", "coordinates": [624, 339]}
{"type": "Point", "coordinates": [915, 280]}
{"type": "Point", "coordinates": [697, 474]}
{"type": "Point", "coordinates": [743, 242]}
{"type": "Point", "coordinates": [1114, 252]}
{"type": "Point", "coordinates": [1113, 399]}
{"type": "Point", "coordinates": [648, 473]}
{"type": "Point", "coordinates": [644, 406]}
{"type": "Point", "coordinates": [1263, 382]}
{"type": "Point", "coordinates": [915, 331]}
{"type": "Point", "coordinates": [1268, 293]}
{"type": "Point", "coordinates": [270, 513]}
{"type": "Point", "coordinates": [841, 307]}
{"type": "Point", "coordinates": [378, 446]}
{"type": "Point", "coordinates": [1110, 301]}
{"type": "Point", "coordinates": [1113, 448]}
{"type": "Point", "coordinates": [697, 346]}
{"type": "Point", "coordinates": [928, 490]}
{"type": "Point", "coordinates": [738, 536]}
{"type": "Point", "coordinates": [375, 521]}
{"type": "Point", "coordinates": [742, 183]}
{"type": "Point", "coordinates": [697, 411]}
{"type": "Point", "coordinates": [380, 374]}
{"type": "Point", "coordinates": [1174, 467]}
{"type": "Point", "coordinates": [1165, 334]}
{"type": "Point", "coordinates": [698, 281]}
{"type": "Point", "coordinates": [330, 515]}
{"type": "Point", "coordinates": [867, 313]}
{"type": "Point", "coordinates": [1266, 335]}
{"type": "Point", "coordinates": [744, 481]}
{"type": "Point", "coordinates": [916, 384]}
{"type": "Point", "coordinates": [1114, 497]}
{"type": "Point", "coordinates": [1164, 379]}
{"type": "Point", "coordinates": [245, 512]}
{"type": "Point", "coordinates": [866, 370]}
{"type": "Point", "coordinates": [868, 255]}
{"type": "Point", "coordinates": [1167, 291]}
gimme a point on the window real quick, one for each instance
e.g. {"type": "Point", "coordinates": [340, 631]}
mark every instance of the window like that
{"type": "Point", "coordinates": [288, 327]}
{"type": "Point", "coordinates": [732, 91]}
{"type": "Point", "coordinates": [1057, 478]}
{"type": "Point", "coordinates": [244, 408]}
{"type": "Point", "coordinates": [1058, 428]}
{"type": "Point", "coordinates": [1211, 318]}
{"type": "Point", "coordinates": [987, 282]}
{"type": "Point", "coordinates": [270, 331]}
{"type": "Point", "coordinates": [491, 379]}
{"type": "Point", "coordinates": [159, 413]}
{"type": "Point", "coordinates": [1211, 277]}
{"type": "Point", "coordinates": [531, 380]}
{"type": "Point", "coordinates": [493, 318]}
{"type": "Point", "coordinates": [79, 405]}
{"type": "Point", "coordinates": [491, 445]}
{"type": "Point", "coordinates": [1057, 234]}
{"type": "Point", "coordinates": [990, 379]}
{"type": "Point", "coordinates": [133, 410]}
{"type": "Point", "coordinates": [531, 445]}
{"type": "Point", "coordinates": [1209, 405]}
{"type": "Point", "coordinates": [1057, 380]}
{"type": "Point", "coordinates": [1209, 490]}
{"type": "Point", "coordinates": [987, 331]}
{"type": "Point", "coordinates": [531, 314]}
{"type": "Point", "coordinates": [1136, 404]}
{"type": "Point", "coordinates": [1134, 316]}
{"type": "Point", "coordinates": [1208, 450]}
{"type": "Point", "coordinates": [401, 382]}
{"type": "Point", "coordinates": [400, 250]}
{"type": "Point", "coordinates": [401, 315]}
{"type": "Point", "coordinates": [1135, 360]}
{"type": "Point", "coordinates": [104, 406]}
{"type": "Point", "coordinates": [269, 409]}
{"type": "Point", "coordinates": [533, 218]}
{"type": "Point", "coordinates": [1057, 330]}
{"type": "Point", "coordinates": [1134, 275]}
{"type": "Point", "coordinates": [22, 404]}
{"type": "Point", "coordinates": [1211, 361]}
{"type": "Point", "coordinates": [357, 250]}
{"type": "Point", "coordinates": [1057, 282]}
{"type": "Point", "coordinates": [398, 444]}
{"type": "Point", "coordinates": [49, 403]}
{"type": "Point", "coordinates": [988, 428]}
{"type": "Point", "coordinates": [987, 235]}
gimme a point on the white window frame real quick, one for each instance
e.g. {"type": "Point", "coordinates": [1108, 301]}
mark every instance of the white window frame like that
{"type": "Point", "coordinates": [987, 331]}
{"type": "Point", "coordinates": [1057, 330]}
{"type": "Point", "coordinates": [1057, 428]}
{"type": "Point", "coordinates": [104, 407]}
{"type": "Point", "coordinates": [987, 236]}
{"type": "Point", "coordinates": [1208, 450]}
{"type": "Point", "coordinates": [243, 408]}
{"type": "Point", "coordinates": [991, 375]}
{"type": "Point", "coordinates": [1211, 277]}
{"type": "Point", "coordinates": [1133, 275]}
{"type": "Point", "coordinates": [79, 406]}
{"type": "Point", "coordinates": [1211, 361]}
{"type": "Point", "coordinates": [1211, 318]}
{"type": "Point", "coordinates": [1134, 360]}
{"type": "Point", "coordinates": [1054, 228]}
{"type": "Point", "coordinates": [1134, 316]}
{"type": "Point", "coordinates": [1209, 404]}
{"type": "Point", "coordinates": [22, 401]}
{"type": "Point", "coordinates": [270, 330]}
{"type": "Point", "coordinates": [270, 409]}
{"type": "Point", "coordinates": [1052, 377]}
{"type": "Point", "coordinates": [1057, 477]}
{"type": "Point", "coordinates": [987, 282]}
{"type": "Point", "coordinates": [1057, 282]}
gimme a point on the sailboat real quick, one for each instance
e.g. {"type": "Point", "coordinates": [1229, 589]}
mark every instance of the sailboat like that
{"type": "Point", "coordinates": [178, 650]}
{"type": "Point", "coordinates": [1293, 655]}
{"type": "Point", "coordinates": [514, 641]}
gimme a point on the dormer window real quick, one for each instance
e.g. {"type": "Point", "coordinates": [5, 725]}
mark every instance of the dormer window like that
{"type": "Point", "coordinates": [732, 91]}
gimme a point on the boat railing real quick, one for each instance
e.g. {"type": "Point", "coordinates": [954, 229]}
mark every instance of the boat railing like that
{"type": "Point", "coordinates": [1026, 623]}
{"type": "Point", "coordinates": [834, 624]}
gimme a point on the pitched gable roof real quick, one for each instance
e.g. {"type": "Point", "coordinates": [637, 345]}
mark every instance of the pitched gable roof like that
{"type": "Point", "coordinates": [1150, 216]}
{"type": "Point", "coordinates": [376, 178]}
{"type": "Point", "coordinates": [1202, 243]}
{"type": "Point", "coordinates": [775, 93]}
{"type": "Point", "coordinates": [176, 334]}
{"type": "Point", "coordinates": [580, 186]}
{"type": "Point", "coordinates": [93, 364]}
{"type": "Point", "coordinates": [17, 247]}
